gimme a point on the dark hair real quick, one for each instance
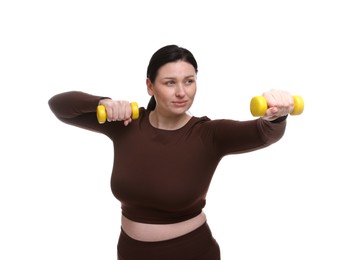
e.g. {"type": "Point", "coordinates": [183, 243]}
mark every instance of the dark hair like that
{"type": "Point", "coordinates": [166, 54]}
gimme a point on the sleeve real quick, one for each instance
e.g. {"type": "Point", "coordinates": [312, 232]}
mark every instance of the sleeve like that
{"type": "Point", "coordinates": [232, 137]}
{"type": "Point", "coordinates": [76, 108]}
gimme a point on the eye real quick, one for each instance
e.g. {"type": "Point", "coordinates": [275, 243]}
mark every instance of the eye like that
{"type": "Point", "coordinates": [170, 82]}
{"type": "Point", "coordinates": [189, 81]}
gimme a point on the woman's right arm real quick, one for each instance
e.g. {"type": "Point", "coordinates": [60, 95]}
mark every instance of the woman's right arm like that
{"type": "Point", "coordinates": [76, 108]}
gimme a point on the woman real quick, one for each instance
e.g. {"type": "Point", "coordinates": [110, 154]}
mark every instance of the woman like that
{"type": "Point", "coordinates": [164, 160]}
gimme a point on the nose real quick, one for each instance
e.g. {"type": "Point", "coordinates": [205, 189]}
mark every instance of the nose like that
{"type": "Point", "coordinates": [180, 90]}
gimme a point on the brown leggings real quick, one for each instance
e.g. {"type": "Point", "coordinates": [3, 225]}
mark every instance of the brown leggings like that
{"type": "Point", "coordinates": [196, 245]}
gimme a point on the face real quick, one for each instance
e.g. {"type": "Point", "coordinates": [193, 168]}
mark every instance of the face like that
{"type": "Point", "coordinates": [174, 88]}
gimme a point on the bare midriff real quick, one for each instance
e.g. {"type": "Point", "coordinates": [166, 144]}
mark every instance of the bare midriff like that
{"type": "Point", "coordinates": [159, 232]}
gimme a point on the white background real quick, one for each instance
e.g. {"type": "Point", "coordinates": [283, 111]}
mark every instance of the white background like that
{"type": "Point", "coordinates": [289, 201]}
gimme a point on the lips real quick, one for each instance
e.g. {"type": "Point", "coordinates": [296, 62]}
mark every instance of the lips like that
{"type": "Point", "coordinates": [180, 103]}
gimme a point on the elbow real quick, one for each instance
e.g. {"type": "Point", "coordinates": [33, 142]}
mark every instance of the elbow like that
{"type": "Point", "coordinates": [271, 132]}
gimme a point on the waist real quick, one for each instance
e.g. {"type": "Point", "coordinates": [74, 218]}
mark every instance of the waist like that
{"type": "Point", "coordinates": [159, 232]}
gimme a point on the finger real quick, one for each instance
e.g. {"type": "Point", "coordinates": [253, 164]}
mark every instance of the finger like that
{"type": "Point", "coordinates": [127, 122]}
{"type": "Point", "coordinates": [109, 113]}
{"type": "Point", "coordinates": [272, 111]}
{"type": "Point", "coordinates": [122, 111]}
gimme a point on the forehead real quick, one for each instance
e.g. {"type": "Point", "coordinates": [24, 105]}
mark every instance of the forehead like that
{"type": "Point", "coordinates": [177, 69]}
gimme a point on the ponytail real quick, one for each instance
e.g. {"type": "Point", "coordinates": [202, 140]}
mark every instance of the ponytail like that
{"type": "Point", "coordinates": [152, 104]}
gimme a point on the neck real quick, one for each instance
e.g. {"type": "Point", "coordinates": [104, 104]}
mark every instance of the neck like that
{"type": "Point", "coordinates": [166, 122]}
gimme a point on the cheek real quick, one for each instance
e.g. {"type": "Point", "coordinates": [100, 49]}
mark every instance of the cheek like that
{"type": "Point", "coordinates": [192, 91]}
{"type": "Point", "coordinates": [163, 95]}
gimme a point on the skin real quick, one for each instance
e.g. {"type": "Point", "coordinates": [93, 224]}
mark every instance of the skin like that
{"type": "Point", "coordinates": [280, 103]}
{"type": "Point", "coordinates": [174, 90]}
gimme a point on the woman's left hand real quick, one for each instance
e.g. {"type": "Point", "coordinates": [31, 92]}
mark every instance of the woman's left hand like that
{"type": "Point", "coordinates": [280, 103]}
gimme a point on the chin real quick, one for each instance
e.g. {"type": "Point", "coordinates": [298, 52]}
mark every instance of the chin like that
{"type": "Point", "coordinates": [181, 110]}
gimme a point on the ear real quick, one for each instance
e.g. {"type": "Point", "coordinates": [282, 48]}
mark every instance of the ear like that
{"type": "Point", "coordinates": [149, 86]}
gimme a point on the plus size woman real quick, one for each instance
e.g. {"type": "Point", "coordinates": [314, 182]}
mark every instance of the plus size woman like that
{"type": "Point", "coordinates": [165, 159]}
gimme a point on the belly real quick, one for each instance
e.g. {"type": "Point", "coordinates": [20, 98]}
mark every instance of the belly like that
{"type": "Point", "coordinates": [159, 232]}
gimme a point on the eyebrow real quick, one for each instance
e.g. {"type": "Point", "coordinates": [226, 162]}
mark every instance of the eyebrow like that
{"type": "Point", "coordinates": [190, 76]}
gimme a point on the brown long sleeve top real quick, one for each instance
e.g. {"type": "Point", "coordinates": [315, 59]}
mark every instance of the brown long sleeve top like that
{"type": "Point", "coordinates": [162, 176]}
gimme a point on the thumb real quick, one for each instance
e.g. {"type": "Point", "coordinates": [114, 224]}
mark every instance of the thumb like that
{"type": "Point", "coordinates": [271, 114]}
{"type": "Point", "coordinates": [272, 111]}
{"type": "Point", "coordinates": [127, 121]}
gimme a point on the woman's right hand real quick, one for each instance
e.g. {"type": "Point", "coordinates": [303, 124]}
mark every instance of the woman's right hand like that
{"type": "Point", "coordinates": [117, 110]}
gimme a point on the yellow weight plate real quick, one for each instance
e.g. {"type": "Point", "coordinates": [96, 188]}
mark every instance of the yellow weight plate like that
{"type": "Point", "coordinates": [135, 110]}
{"type": "Point", "coordinates": [258, 106]}
{"type": "Point", "coordinates": [101, 114]}
{"type": "Point", "coordinates": [299, 106]}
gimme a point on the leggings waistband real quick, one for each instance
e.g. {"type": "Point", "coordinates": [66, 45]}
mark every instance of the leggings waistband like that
{"type": "Point", "coordinates": [198, 244]}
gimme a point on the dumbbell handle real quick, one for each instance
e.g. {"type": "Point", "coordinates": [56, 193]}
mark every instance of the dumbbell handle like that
{"type": "Point", "coordinates": [102, 115]}
{"type": "Point", "coordinates": [258, 106]}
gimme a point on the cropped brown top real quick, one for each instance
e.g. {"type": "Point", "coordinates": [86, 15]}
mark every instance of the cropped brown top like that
{"type": "Point", "coordinates": [162, 176]}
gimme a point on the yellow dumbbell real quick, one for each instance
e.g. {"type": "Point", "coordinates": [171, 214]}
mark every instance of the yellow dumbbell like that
{"type": "Point", "coordinates": [258, 106]}
{"type": "Point", "coordinates": [102, 115]}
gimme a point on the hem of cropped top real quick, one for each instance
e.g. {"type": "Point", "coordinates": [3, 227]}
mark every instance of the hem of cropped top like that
{"type": "Point", "coordinates": [162, 220]}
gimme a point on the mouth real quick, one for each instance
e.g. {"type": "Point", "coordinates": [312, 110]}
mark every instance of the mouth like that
{"type": "Point", "coordinates": [180, 103]}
